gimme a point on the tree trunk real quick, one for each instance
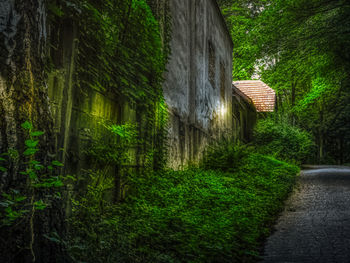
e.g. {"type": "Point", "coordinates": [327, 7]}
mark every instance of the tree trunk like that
{"type": "Point", "coordinates": [24, 97]}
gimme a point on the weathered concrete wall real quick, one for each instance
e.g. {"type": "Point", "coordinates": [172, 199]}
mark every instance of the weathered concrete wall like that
{"type": "Point", "coordinates": [197, 88]}
{"type": "Point", "coordinates": [79, 112]}
{"type": "Point", "coordinates": [244, 116]}
{"type": "Point", "coordinates": [198, 83]}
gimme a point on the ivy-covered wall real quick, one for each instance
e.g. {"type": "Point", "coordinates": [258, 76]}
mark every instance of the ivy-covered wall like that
{"type": "Point", "coordinates": [85, 91]}
{"type": "Point", "coordinates": [106, 66]}
{"type": "Point", "coordinates": [79, 113]}
{"type": "Point", "coordinates": [72, 68]}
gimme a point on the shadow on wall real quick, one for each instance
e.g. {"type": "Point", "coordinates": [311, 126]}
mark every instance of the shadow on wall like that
{"type": "Point", "coordinates": [197, 85]}
{"type": "Point", "coordinates": [244, 116]}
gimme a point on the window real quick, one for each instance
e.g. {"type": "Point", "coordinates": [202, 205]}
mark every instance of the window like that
{"type": "Point", "coordinates": [222, 81]}
{"type": "Point", "coordinates": [211, 67]}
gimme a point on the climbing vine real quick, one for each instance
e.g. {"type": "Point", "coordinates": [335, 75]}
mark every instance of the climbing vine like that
{"type": "Point", "coordinates": [18, 205]}
{"type": "Point", "coordinates": [123, 52]}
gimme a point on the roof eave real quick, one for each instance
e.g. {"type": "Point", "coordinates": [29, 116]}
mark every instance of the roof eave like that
{"type": "Point", "coordinates": [224, 22]}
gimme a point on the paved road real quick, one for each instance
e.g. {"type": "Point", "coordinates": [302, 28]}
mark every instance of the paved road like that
{"type": "Point", "coordinates": [315, 226]}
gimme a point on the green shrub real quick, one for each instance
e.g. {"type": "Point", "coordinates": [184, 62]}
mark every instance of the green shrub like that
{"type": "Point", "coordinates": [224, 156]}
{"type": "Point", "coordinates": [184, 216]}
{"type": "Point", "coordinates": [92, 233]}
{"type": "Point", "coordinates": [283, 141]}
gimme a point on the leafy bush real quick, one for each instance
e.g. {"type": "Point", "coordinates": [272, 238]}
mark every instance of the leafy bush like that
{"type": "Point", "coordinates": [111, 148]}
{"type": "Point", "coordinates": [184, 216]}
{"type": "Point", "coordinates": [93, 229]}
{"type": "Point", "coordinates": [224, 155]}
{"type": "Point", "coordinates": [93, 223]}
{"type": "Point", "coordinates": [283, 141]}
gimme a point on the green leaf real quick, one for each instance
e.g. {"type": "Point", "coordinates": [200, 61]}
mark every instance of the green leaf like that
{"type": "Point", "coordinates": [58, 183]}
{"type": "Point", "coordinates": [2, 159]}
{"type": "Point", "coordinates": [7, 196]}
{"type": "Point", "coordinates": [57, 163]}
{"type": "Point", "coordinates": [58, 195]}
{"type": "Point", "coordinates": [50, 167]}
{"type": "Point", "coordinates": [38, 167]}
{"type": "Point", "coordinates": [31, 143]}
{"type": "Point", "coordinates": [3, 169]}
{"type": "Point", "coordinates": [50, 182]}
{"type": "Point", "coordinates": [32, 175]}
{"type": "Point", "coordinates": [69, 177]}
{"type": "Point", "coordinates": [39, 205]}
{"type": "Point", "coordinates": [30, 151]}
{"type": "Point", "coordinates": [37, 133]}
{"type": "Point", "coordinates": [27, 125]}
{"type": "Point", "coordinates": [20, 198]}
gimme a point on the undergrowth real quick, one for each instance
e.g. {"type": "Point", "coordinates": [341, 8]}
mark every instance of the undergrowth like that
{"type": "Point", "coordinates": [283, 141]}
{"type": "Point", "coordinates": [194, 215]}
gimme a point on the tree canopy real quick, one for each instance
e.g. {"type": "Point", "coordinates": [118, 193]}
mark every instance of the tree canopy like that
{"type": "Point", "coordinates": [301, 49]}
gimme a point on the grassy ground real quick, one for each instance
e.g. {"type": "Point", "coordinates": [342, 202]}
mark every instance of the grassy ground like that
{"type": "Point", "coordinates": [203, 216]}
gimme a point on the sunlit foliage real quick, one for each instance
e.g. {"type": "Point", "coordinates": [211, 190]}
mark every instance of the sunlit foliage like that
{"type": "Point", "coordinates": [301, 49]}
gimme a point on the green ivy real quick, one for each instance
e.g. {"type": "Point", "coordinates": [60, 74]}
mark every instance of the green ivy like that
{"type": "Point", "coordinates": [123, 47]}
{"type": "Point", "coordinates": [17, 203]}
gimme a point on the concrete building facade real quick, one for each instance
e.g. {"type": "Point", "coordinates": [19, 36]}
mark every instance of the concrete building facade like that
{"type": "Point", "coordinates": [244, 116]}
{"type": "Point", "coordinates": [198, 81]}
{"type": "Point", "coordinates": [197, 89]}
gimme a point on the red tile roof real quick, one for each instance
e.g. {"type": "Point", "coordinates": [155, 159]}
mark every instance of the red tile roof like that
{"type": "Point", "coordinates": [263, 96]}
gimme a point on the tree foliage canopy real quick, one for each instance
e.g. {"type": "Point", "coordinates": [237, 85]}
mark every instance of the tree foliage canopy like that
{"type": "Point", "coordinates": [301, 49]}
{"type": "Point", "coordinates": [120, 49]}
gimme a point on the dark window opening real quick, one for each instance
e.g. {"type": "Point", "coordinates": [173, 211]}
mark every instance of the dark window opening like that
{"type": "Point", "coordinates": [211, 68]}
{"type": "Point", "coordinates": [222, 81]}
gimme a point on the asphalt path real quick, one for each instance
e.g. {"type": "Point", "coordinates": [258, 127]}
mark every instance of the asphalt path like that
{"type": "Point", "coordinates": [315, 225]}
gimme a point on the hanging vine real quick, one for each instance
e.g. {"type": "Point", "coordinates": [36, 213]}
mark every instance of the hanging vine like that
{"type": "Point", "coordinates": [123, 47]}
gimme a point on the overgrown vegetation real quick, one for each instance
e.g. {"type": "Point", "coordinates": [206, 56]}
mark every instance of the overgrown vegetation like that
{"type": "Point", "coordinates": [21, 204]}
{"type": "Point", "coordinates": [219, 212]}
{"type": "Point", "coordinates": [122, 52]}
{"type": "Point", "coordinates": [283, 141]}
{"type": "Point", "coordinates": [224, 155]}
{"type": "Point", "coordinates": [118, 49]}
{"type": "Point", "coordinates": [301, 49]}
{"type": "Point", "coordinates": [195, 215]}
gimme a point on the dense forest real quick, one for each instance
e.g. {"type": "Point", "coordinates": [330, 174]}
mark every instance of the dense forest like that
{"type": "Point", "coordinates": [301, 49]}
{"type": "Point", "coordinates": [120, 202]}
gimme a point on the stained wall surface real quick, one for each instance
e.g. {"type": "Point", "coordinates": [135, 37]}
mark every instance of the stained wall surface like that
{"type": "Point", "coordinates": [79, 112]}
{"type": "Point", "coordinates": [197, 88]}
{"type": "Point", "coordinates": [244, 116]}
